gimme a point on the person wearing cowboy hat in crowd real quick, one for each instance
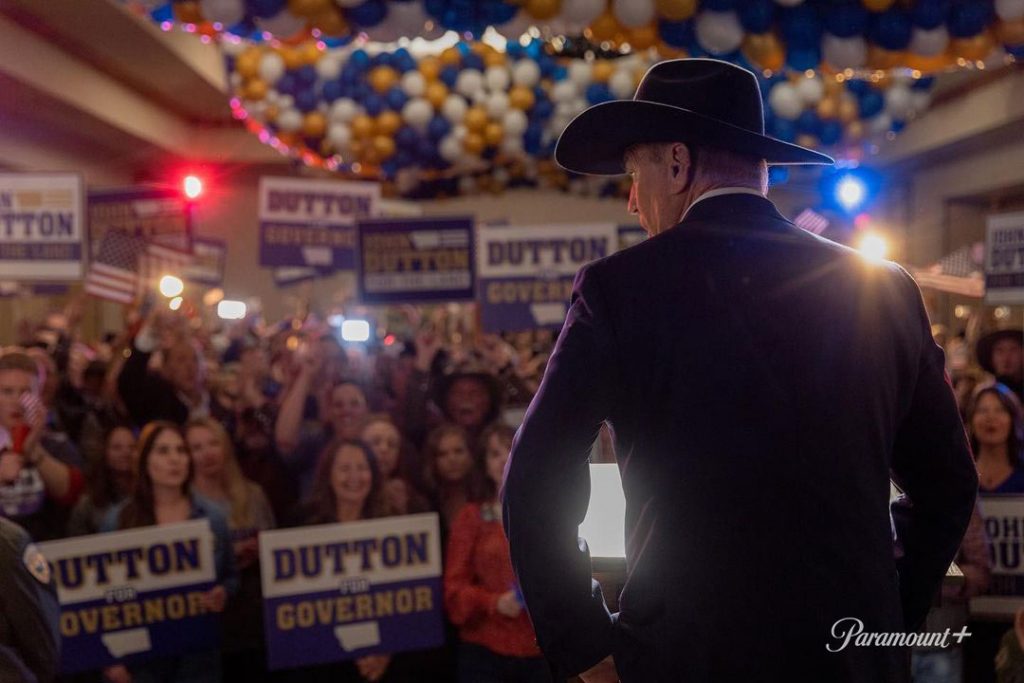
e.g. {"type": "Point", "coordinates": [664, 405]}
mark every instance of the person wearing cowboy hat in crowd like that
{"type": "Point", "coordinates": [762, 384]}
{"type": "Point", "coordinates": [1001, 353]}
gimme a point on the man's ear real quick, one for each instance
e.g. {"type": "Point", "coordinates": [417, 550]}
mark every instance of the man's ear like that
{"type": "Point", "coordinates": [678, 167]}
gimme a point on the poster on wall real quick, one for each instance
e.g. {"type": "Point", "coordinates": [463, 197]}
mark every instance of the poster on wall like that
{"type": "Point", "coordinates": [414, 260]}
{"type": "Point", "coordinates": [525, 273]}
{"type": "Point", "coordinates": [312, 223]}
{"type": "Point", "coordinates": [341, 591]}
{"type": "Point", "coordinates": [159, 216]}
{"type": "Point", "coordinates": [1004, 526]}
{"type": "Point", "coordinates": [1004, 259]}
{"type": "Point", "coordinates": [42, 226]}
{"type": "Point", "coordinates": [208, 259]}
{"type": "Point", "coordinates": [133, 595]}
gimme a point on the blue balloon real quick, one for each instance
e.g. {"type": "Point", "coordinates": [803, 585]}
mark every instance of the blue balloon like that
{"type": "Point", "coordinates": [449, 75]}
{"type": "Point", "coordinates": [784, 130]}
{"type": "Point", "coordinates": [402, 60]}
{"type": "Point", "coordinates": [719, 5]}
{"type": "Point", "coordinates": [332, 90]}
{"type": "Point", "coordinates": [891, 29]}
{"type": "Point", "coordinates": [542, 110]}
{"type": "Point", "coordinates": [359, 60]}
{"type": "Point", "coordinates": [929, 14]}
{"type": "Point", "coordinates": [756, 15]}
{"type": "Point", "coordinates": [514, 50]}
{"type": "Point", "coordinates": [559, 73]}
{"type": "Point", "coordinates": [898, 126]}
{"type": "Point", "coordinates": [374, 104]}
{"type": "Point", "coordinates": [870, 103]}
{"type": "Point", "coordinates": [677, 33]}
{"type": "Point", "coordinates": [265, 8]}
{"type": "Point", "coordinates": [163, 13]}
{"type": "Point", "coordinates": [857, 86]}
{"type": "Point", "coordinates": [389, 168]}
{"type": "Point", "coordinates": [306, 100]}
{"type": "Point", "coordinates": [598, 93]}
{"type": "Point", "coordinates": [499, 13]}
{"type": "Point", "coordinates": [968, 19]}
{"type": "Point", "coordinates": [368, 14]}
{"type": "Point", "coordinates": [846, 20]}
{"type": "Point", "coordinates": [306, 75]}
{"type": "Point", "coordinates": [923, 83]}
{"type": "Point", "coordinates": [426, 152]}
{"type": "Point", "coordinates": [808, 122]}
{"type": "Point", "coordinates": [403, 158]}
{"type": "Point", "coordinates": [535, 49]}
{"type": "Point", "coordinates": [407, 137]}
{"type": "Point", "coordinates": [800, 26]}
{"type": "Point", "coordinates": [288, 84]}
{"type": "Point", "coordinates": [531, 138]}
{"type": "Point", "coordinates": [473, 61]}
{"type": "Point", "coordinates": [382, 59]}
{"type": "Point", "coordinates": [361, 90]}
{"type": "Point", "coordinates": [396, 98]}
{"type": "Point", "coordinates": [831, 132]}
{"type": "Point", "coordinates": [803, 58]}
{"type": "Point", "coordinates": [438, 127]}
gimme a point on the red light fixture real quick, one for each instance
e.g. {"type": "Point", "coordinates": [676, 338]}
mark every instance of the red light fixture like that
{"type": "Point", "coordinates": [192, 186]}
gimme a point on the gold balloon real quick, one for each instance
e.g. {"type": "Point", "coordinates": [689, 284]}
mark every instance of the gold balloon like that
{"type": "Point", "coordinates": [676, 10]}
{"type": "Point", "coordinates": [666, 51]}
{"type": "Point", "coordinates": [493, 134]}
{"type": "Point", "coordinates": [848, 110]}
{"type": "Point", "coordinates": [188, 12]}
{"type": "Point", "coordinates": [602, 71]}
{"type": "Point", "coordinates": [832, 87]}
{"type": "Point", "coordinates": [520, 97]}
{"type": "Point", "coordinates": [878, 5]}
{"type": "Point", "coordinates": [543, 9]}
{"type": "Point", "coordinates": [371, 155]}
{"type": "Point", "coordinates": [292, 57]}
{"type": "Point", "coordinates": [927, 65]}
{"type": "Point", "coordinates": [605, 27]}
{"type": "Point", "coordinates": [1011, 32]}
{"type": "Point", "coordinates": [248, 63]}
{"type": "Point", "coordinates": [270, 114]}
{"type": "Point", "coordinates": [382, 78]}
{"type": "Point", "coordinates": [309, 53]}
{"type": "Point", "coordinates": [475, 119]}
{"type": "Point", "coordinates": [854, 131]}
{"type": "Point", "coordinates": [450, 57]}
{"type": "Point", "coordinates": [828, 108]}
{"type": "Point", "coordinates": [430, 67]}
{"type": "Point", "coordinates": [975, 48]}
{"type": "Point", "coordinates": [314, 125]}
{"type": "Point", "coordinates": [643, 37]}
{"type": "Point", "coordinates": [362, 127]}
{"type": "Point", "coordinates": [307, 8]}
{"type": "Point", "coordinates": [255, 89]}
{"type": "Point", "coordinates": [764, 50]}
{"type": "Point", "coordinates": [384, 146]}
{"type": "Point", "coordinates": [494, 58]}
{"type": "Point", "coordinates": [880, 58]}
{"type": "Point", "coordinates": [436, 92]}
{"type": "Point", "coordinates": [356, 148]}
{"type": "Point", "coordinates": [388, 122]}
{"type": "Point", "coordinates": [331, 23]}
{"type": "Point", "coordinates": [473, 143]}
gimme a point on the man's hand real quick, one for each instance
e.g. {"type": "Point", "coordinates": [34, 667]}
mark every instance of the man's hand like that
{"type": "Point", "coordinates": [215, 599]}
{"type": "Point", "coordinates": [117, 674]}
{"type": "Point", "coordinates": [372, 668]}
{"type": "Point", "coordinates": [603, 672]}
{"type": "Point", "coordinates": [10, 466]}
{"type": "Point", "coordinates": [508, 605]}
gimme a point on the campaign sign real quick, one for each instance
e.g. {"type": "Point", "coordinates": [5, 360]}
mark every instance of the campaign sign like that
{"type": "Point", "coordinates": [133, 595]}
{"type": "Point", "coordinates": [415, 260]}
{"type": "Point", "coordinates": [1004, 526]}
{"type": "Point", "coordinates": [208, 257]}
{"type": "Point", "coordinates": [1004, 259]}
{"type": "Point", "coordinates": [525, 274]}
{"type": "Point", "coordinates": [343, 591]}
{"type": "Point", "coordinates": [42, 226]}
{"type": "Point", "coordinates": [157, 215]}
{"type": "Point", "coordinates": [312, 223]}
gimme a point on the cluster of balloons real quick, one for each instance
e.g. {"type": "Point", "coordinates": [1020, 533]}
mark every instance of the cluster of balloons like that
{"type": "Point", "coordinates": [926, 35]}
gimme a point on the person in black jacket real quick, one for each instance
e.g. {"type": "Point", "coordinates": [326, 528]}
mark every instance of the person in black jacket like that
{"type": "Point", "coordinates": [762, 384]}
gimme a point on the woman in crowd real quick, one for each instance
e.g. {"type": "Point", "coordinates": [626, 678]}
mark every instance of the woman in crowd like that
{"type": "Point", "coordinates": [384, 439]}
{"type": "Point", "coordinates": [162, 495]}
{"type": "Point", "coordinates": [449, 472]}
{"type": "Point", "coordinates": [109, 483]}
{"type": "Point", "coordinates": [219, 480]}
{"type": "Point", "coordinates": [497, 640]}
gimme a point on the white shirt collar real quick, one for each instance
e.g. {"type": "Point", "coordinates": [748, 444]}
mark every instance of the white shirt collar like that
{"type": "Point", "coordinates": [720, 191]}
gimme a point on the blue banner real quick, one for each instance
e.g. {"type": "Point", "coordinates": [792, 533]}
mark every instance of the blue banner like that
{"type": "Point", "coordinates": [42, 226]}
{"type": "Point", "coordinates": [133, 595]}
{"type": "Point", "coordinates": [312, 223]}
{"type": "Point", "coordinates": [342, 591]}
{"type": "Point", "coordinates": [416, 260]}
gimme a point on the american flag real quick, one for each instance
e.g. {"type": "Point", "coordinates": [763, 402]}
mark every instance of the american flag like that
{"type": "Point", "coordinates": [811, 221]}
{"type": "Point", "coordinates": [959, 272]}
{"type": "Point", "coordinates": [114, 273]}
{"type": "Point", "coordinates": [159, 259]}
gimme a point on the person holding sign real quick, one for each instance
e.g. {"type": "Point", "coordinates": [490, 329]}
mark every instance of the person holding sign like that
{"type": "Point", "coordinates": [162, 495]}
{"type": "Point", "coordinates": [762, 385]}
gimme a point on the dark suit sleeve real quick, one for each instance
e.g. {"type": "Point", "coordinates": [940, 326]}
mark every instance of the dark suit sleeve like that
{"type": "Point", "coordinates": [547, 487]}
{"type": "Point", "coordinates": [933, 464]}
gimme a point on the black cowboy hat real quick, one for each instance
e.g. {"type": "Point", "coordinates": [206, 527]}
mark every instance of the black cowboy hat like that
{"type": "Point", "coordinates": [985, 344]}
{"type": "Point", "coordinates": [705, 101]}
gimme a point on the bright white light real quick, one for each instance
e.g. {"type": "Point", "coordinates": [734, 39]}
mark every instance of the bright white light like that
{"type": "Point", "coordinates": [850, 192]}
{"type": "Point", "coordinates": [604, 527]}
{"type": "Point", "coordinates": [230, 310]}
{"type": "Point", "coordinates": [355, 330]}
{"type": "Point", "coordinates": [193, 186]}
{"type": "Point", "coordinates": [171, 286]}
{"type": "Point", "coordinates": [335, 320]}
{"type": "Point", "coordinates": [874, 246]}
{"type": "Point", "coordinates": [175, 303]}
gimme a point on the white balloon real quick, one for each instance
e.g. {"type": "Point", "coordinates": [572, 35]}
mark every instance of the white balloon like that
{"type": "Point", "coordinates": [282, 25]}
{"type": "Point", "coordinates": [844, 53]}
{"type": "Point", "coordinates": [271, 67]}
{"type": "Point", "coordinates": [526, 72]}
{"type": "Point", "coordinates": [233, 47]}
{"type": "Point", "coordinates": [785, 101]}
{"type": "Point", "coordinates": [255, 108]}
{"type": "Point", "coordinates": [285, 101]}
{"type": "Point", "coordinates": [479, 98]}
{"type": "Point", "coordinates": [459, 132]}
{"type": "Point", "coordinates": [497, 78]}
{"type": "Point", "coordinates": [497, 105]}
{"type": "Point", "coordinates": [580, 73]}
{"type": "Point", "coordinates": [344, 110]}
{"type": "Point", "coordinates": [513, 147]}
{"type": "Point", "coordinates": [340, 136]}
{"type": "Point", "coordinates": [811, 90]}
{"type": "Point", "coordinates": [880, 124]}
{"type": "Point", "coordinates": [565, 109]}
{"type": "Point", "coordinates": [454, 108]}
{"type": "Point", "coordinates": [564, 91]}
{"type": "Point", "coordinates": [922, 100]}
{"type": "Point", "coordinates": [417, 112]}
{"type": "Point", "coordinates": [719, 32]}
{"type": "Point", "coordinates": [450, 149]}
{"type": "Point", "coordinates": [225, 12]}
{"type": "Point", "coordinates": [1009, 10]}
{"type": "Point", "coordinates": [289, 120]}
{"type": "Point", "coordinates": [633, 13]}
{"type": "Point", "coordinates": [413, 83]}
{"type": "Point", "coordinates": [928, 42]}
{"type": "Point", "coordinates": [582, 11]}
{"type": "Point", "coordinates": [514, 28]}
{"type": "Point", "coordinates": [515, 122]}
{"type": "Point", "coordinates": [899, 102]}
{"type": "Point", "coordinates": [329, 66]}
{"type": "Point", "coordinates": [621, 84]}
{"type": "Point", "coordinates": [789, 3]}
{"type": "Point", "coordinates": [469, 82]}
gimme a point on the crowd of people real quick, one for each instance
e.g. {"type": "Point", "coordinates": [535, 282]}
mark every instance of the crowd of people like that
{"type": "Point", "coordinates": [261, 427]}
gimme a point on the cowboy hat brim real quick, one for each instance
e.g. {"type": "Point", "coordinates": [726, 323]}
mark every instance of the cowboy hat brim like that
{"type": "Point", "coordinates": [595, 141]}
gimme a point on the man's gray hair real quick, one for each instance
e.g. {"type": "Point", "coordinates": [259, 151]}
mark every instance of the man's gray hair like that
{"type": "Point", "coordinates": [713, 166]}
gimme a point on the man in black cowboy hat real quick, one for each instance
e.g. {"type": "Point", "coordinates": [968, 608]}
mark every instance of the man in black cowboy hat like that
{"type": "Point", "coordinates": [1001, 353]}
{"type": "Point", "coordinates": [762, 384]}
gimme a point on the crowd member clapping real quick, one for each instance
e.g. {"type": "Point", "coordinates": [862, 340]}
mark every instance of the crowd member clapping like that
{"type": "Point", "coordinates": [110, 482]}
{"type": "Point", "coordinates": [498, 642]}
{"type": "Point", "coordinates": [162, 495]}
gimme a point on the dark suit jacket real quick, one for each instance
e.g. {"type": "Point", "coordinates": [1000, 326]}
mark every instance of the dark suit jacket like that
{"type": "Point", "coordinates": [761, 384]}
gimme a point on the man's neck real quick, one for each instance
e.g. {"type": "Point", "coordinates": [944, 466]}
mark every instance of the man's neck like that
{"type": "Point", "coordinates": [699, 189]}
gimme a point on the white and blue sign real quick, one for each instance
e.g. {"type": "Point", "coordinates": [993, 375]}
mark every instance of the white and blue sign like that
{"type": "Point", "coordinates": [1004, 526]}
{"type": "Point", "coordinates": [42, 226]}
{"type": "Point", "coordinates": [415, 260]}
{"type": "Point", "coordinates": [525, 274]}
{"type": "Point", "coordinates": [133, 595]}
{"type": "Point", "coordinates": [1004, 260]}
{"type": "Point", "coordinates": [312, 223]}
{"type": "Point", "coordinates": [341, 591]}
